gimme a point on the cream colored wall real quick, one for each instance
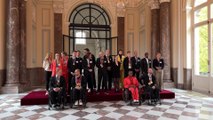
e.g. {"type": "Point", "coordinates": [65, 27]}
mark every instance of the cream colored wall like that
{"type": "Point", "coordinates": [2, 34]}
{"type": "Point", "coordinates": [40, 31]}
{"type": "Point", "coordinates": [138, 29]}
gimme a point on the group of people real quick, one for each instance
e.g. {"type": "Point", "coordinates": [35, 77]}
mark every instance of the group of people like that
{"type": "Point", "coordinates": [78, 72]}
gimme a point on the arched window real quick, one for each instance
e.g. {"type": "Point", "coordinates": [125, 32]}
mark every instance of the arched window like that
{"type": "Point", "coordinates": [89, 27]}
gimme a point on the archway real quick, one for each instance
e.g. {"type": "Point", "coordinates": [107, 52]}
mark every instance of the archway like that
{"type": "Point", "coordinates": [89, 28]}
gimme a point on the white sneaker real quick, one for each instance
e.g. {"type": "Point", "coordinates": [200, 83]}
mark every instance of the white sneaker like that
{"type": "Point", "coordinates": [80, 102]}
{"type": "Point", "coordinates": [76, 103]}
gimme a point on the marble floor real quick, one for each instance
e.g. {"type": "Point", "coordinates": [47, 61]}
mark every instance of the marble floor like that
{"type": "Point", "coordinates": [187, 105]}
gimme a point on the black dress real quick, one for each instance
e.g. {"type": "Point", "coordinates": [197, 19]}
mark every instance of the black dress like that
{"type": "Point", "coordinates": [116, 70]}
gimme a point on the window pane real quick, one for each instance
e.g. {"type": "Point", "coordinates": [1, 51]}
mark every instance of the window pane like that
{"type": "Point", "coordinates": [211, 11]}
{"type": "Point", "coordinates": [201, 50]}
{"type": "Point", "coordinates": [201, 15]}
{"type": "Point", "coordinates": [81, 41]}
{"type": "Point", "coordinates": [198, 2]}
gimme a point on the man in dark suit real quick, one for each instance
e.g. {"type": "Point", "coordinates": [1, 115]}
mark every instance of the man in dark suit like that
{"type": "Point", "coordinates": [88, 71]}
{"type": "Point", "coordinates": [108, 60]}
{"type": "Point", "coordinates": [86, 52]}
{"type": "Point", "coordinates": [78, 61]}
{"type": "Point", "coordinates": [146, 63]}
{"type": "Point", "coordinates": [128, 65]}
{"type": "Point", "coordinates": [136, 64]}
{"type": "Point", "coordinates": [102, 72]}
{"type": "Point", "coordinates": [71, 68]}
{"type": "Point", "coordinates": [57, 88]}
{"type": "Point", "coordinates": [78, 86]}
{"type": "Point", "coordinates": [149, 81]}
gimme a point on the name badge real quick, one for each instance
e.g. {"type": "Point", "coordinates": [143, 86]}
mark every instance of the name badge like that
{"type": "Point", "coordinates": [90, 62]}
{"type": "Point", "coordinates": [76, 61]}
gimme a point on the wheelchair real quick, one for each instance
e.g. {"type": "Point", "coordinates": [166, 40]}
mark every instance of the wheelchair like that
{"type": "Point", "coordinates": [127, 96]}
{"type": "Point", "coordinates": [74, 97]}
{"type": "Point", "coordinates": [148, 97]}
{"type": "Point", "coordinates": [59, 99]}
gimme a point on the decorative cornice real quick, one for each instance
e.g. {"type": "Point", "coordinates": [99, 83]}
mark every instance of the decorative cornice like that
{"type": "Point", "coordinates": [58, 7]}
{"type": "Point", "coordinates": [154, 4]}
{"type": "Point", "coordinates": [162, 1]}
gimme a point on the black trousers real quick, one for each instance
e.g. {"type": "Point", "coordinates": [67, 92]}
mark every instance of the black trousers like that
{"type": "Point", "coordinates": [102, 79]}
{"type": "Point", "coordinates": [137, 74]}
{"type": "Point", "coordinates": [47, 78]}
{"type": "Point", "coordinates": [93, 78]}
{"type": "Point", "coordinates": [109, 73]}
{"type": "Point", "coordinates": [154, 93]}
{"type": "Point", "coordinates": [56, 97]}
{"type": "Point", "coordinates": [79, 94]}
{"type": "Point", "coordinates": [90, 79]}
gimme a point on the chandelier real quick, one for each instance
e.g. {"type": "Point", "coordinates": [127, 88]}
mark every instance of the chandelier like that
{"type": "Point", "coordinates": [121, 3]}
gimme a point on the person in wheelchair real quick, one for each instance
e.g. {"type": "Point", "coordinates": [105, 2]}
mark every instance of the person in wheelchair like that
{"type": "Point", "coordinates": [78, 89]}
{"type": "Point", "coordinates": [150, 85]}
{"type": "Point", "coordinates": [131, 84]}
{"type": "Point", "coordinates": [57, 89]}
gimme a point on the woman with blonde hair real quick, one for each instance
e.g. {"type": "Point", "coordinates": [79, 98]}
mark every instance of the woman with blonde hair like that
{"type": "Point", "coordinates": [47, 65]}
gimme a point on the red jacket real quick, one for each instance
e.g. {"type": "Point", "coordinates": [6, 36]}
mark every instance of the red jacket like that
{"type": "Point", "coordinates": [54, 66]}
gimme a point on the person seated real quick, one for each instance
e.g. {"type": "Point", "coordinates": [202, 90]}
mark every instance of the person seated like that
{"type": "Point", "coordinates": [78, 88]}
{"type": "Point", "coordinates": [57, 88]}
{"type": "Point", "coordinates": [151, 85]}
{"type": "Point", "coordinates": [131, 83]}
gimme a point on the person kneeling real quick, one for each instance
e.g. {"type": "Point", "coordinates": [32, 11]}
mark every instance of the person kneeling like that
{"type": "Point", "coordinates": [131, 83]}
{"type": "Point", "coordinates": [78, 87]}
{"type": "Point", "coordinates": [57, 89]}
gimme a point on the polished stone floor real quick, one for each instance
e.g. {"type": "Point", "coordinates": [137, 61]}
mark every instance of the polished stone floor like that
{"type": "Point", "coordinates": [187, 105]}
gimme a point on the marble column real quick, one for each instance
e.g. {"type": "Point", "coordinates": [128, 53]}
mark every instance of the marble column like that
{"type": "Point", "coordinates": [58, 36]}
{"type": "Point", "coordinates": [165, 44]}
{"type": "Point", "coordinates": [13, 43]}
{"type": "Point", "coordinates": [25, 84]}
{"type": "Point", "coordinates": [155, 28]}
{"type": "Point", "coordinates": [121, 34]}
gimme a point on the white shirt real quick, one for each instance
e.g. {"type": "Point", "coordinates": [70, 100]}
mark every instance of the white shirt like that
{"type": "Point", "coordinates": [46, 65]}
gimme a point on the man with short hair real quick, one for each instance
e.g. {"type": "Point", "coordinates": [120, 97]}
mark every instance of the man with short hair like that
{"type": "Point", "coordinates": [78, 86]}
{"type": "Point", "coordinates": [146, 63]}
{"type": "Point", "coordinates": [57, 88]}
{"type": "Point", "coordinates": [131, 83]}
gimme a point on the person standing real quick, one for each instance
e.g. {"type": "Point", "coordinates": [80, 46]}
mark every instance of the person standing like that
{"type": "Point", "coordinates": [78, 61]}
{"type": "Point", "coordinates": [71, 67]}
{"type": "Point", "coordinates": [121, 58]}
{"type": "Point", "coordinates": [108, 61]}
{"type": "Point", "coordinates": [47, 62]}
{"type": "Point", "coordinates": [146, 63]}
{"type": "Point", "coordinates": [102, 72]}
{"type": "Point", "coordinates": [128, 65]}
{"type": "Point", "coordinates": [136, 61]}
{"type": "Point", "coordinates": [64, 61]}
{"type": "Point", "coordinates": [86, 52]}
{"type": "Point", "coordinates": [88, 71]}
{"type": "Point", "coordinates": [116, 73]}
{"type": "Point", "coordinates": [56, 64]}
{"type": "Point", "coordinates": [158, 65]}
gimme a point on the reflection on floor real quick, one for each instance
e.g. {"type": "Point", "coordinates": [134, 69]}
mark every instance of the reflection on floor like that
{"type": "Point", "coordinates": [187, 105]}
